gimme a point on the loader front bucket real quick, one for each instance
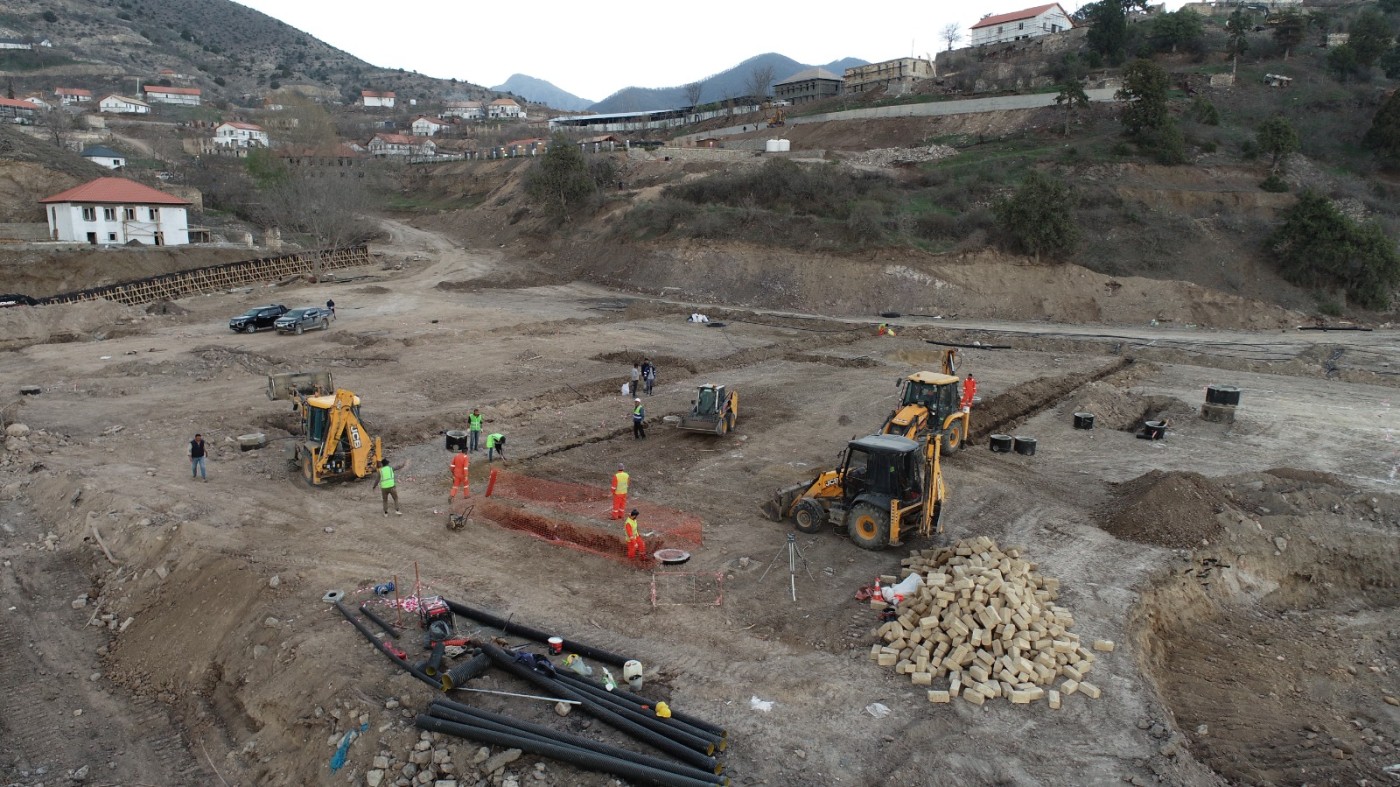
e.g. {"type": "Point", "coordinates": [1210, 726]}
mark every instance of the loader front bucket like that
{"type": "Point", "coordinates": [777, 507]}
{"type": "Point", "coordinates": [288, 384]}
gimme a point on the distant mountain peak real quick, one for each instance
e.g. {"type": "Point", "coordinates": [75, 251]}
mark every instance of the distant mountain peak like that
{"type": "Point", "coordinates": [726, 84]}
{"type": "Point", "coordinates": [539, 91]}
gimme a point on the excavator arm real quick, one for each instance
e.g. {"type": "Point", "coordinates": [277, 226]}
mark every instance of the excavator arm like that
{"type": "Point", "coordinates": [362, 450]}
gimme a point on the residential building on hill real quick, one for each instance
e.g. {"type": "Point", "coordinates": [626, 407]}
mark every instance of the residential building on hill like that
{"type": "Point", "coordinates": [424, 126]}
{"type": "Point", "coordinates": [1042, 20]}
{"type": "Point", "coordinates": [466, 110]}
{"type": "Point", "coordinates": [104, 157]}
{"type": "Point", "coordinates": [122, 104]}
{"type": "Point", "coordinates": [897, 76]}
{"type": "Point", "coordinates": [812, 84]}
{"type": "Point", "coordinates": [116, 211]}
{"type": "Point", "coordinates": [16, 111]}
{"type": "Point", "coordinates": [236, 134]}
{"type": "Point", "coordinates": [505, 108]}
{"type": "Point", "coordinates": [401, 145]}
{"type": "Point", "coordinates": [375, 98]}
{"type": "Point", "coordinates": [72, 95]}
{"type": "Point", "coordinates": [188, 96]}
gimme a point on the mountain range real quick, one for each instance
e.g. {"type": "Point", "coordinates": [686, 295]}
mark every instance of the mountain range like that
{"type": "Point", "coordinates": [726, 84]}
{"type": "Point", "coordinates": [539, 91]}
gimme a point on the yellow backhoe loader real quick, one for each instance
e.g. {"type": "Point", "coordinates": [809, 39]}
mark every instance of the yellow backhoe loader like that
{"type": "Point", "coordinates": [933, 403]}
{"type": "Point", "coordinates": [882, 484]}
{"type": "Point", "coordinates": [335, 445]}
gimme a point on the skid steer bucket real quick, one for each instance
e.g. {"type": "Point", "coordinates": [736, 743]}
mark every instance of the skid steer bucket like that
{"type": "Point", "coordinates": [777, 507]}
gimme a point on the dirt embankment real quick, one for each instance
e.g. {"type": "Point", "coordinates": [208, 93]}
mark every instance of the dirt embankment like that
{"type": "Point", "coordinates": [1274, 647]}
{"type": "Point", "coordinates": [48, 272]}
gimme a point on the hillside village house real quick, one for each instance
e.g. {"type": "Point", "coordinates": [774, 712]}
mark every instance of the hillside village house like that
{"type": "Point", "coordinates": [188, 96]}
{"type": "Point", "coordinates": [505, 108]}
{"type": "Point", "coordinates": [375, 98]}
{"type": "Point", "coordinates": [236, 134]}
{"type": "Point", "coordinates": [466, 110]}
{"type": "Point", "coordinates": [1042, 20]}
{"type": "Point", "coordinates": [38, 101]}
{"type": "Point", "coordinates": [424, 126]}
{"type": "Point", "coordinates": [13, 110]}
{"type": "Point", "coordinates": [401, 145]}
{"type": "Point", "coordinates": [15, 43]}
{"type": "Point", "coordinates": [115, 211]}
{"type": "Point", "coordinates": [104, 157]}
{"type": "Point", "coordinates": [116, 103]}
{"type": "Point", "coordinates": [72, 95]}
{"type": "Point", "coordinates": [812, 84]}
{"type": "Point", "coordinates": [897, 76]}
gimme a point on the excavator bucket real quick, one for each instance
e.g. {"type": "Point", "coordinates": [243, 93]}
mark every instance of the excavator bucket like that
{"type": "Point", "coordinates": [289, 384]}
{"type": "Point", "coordinates": [776, 508]}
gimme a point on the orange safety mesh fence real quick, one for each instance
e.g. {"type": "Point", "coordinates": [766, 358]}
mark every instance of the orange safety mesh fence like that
{"type": "Point", "coordinates": [577, 516]}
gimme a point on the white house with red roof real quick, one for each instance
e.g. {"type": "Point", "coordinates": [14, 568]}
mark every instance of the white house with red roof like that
{"type": "Point", "coordinates": [114, 211]}
{"type": "Point", "coordinates": [424, 126]}
{"type": "Point", "coordinates": [377, 98]}
{"type": "Point", "coordinates": [1042, 20]}
{"type": "Point", "coordinates": [14, 110]}
{"type": "Point", "coordinates": [466, 110]}
{"type": "Point", "coordinates": [72, 95]}
{"type": "Point", "coordinates": [122, 104]}
{"type": "Point", "coordinates": [505, 108]}
{"type": "Point", "coordinates": [237, 134]}
{"type": "Point", "coordinates": [188, 96]}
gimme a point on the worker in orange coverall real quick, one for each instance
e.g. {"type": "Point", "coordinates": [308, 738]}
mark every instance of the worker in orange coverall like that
{"type": "Point", "coordinates": [459, 464]}
{"type": "Point", "coordinates": [620, 482]}
{"type": "Point", "coordinates": [636, 548]}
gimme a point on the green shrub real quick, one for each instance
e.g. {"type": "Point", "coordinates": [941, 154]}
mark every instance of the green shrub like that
{"type": "Point", "coordinates": [1318, 247]}
{"type": "Point", "coordinates": [1274, 183]}
{"type": "Point", "coordinates": [1037, 219]}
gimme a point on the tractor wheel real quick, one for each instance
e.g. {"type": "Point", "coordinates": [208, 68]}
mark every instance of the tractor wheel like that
{"type": "Point", "coordinates": [952, 439]}
{"type": "Point", "coordinates": [729, 422]}
{"type": "Point", "coordinates": [308, 469]}
{"type": "Point", "coordinates": [868, 526]}
{"type": "Point", "coordinates": [809, 516]}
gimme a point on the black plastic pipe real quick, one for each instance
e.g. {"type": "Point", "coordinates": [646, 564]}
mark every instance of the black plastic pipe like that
{"type": "Point", "coordinates": [515, 629]}
{"type": "Point", "coordinates": [378, 621]}
{"type": "Point", "coordinates": [466, 714]}
{"type": "Point", "coordinates": [695, 739]}
{"type": "Point", "coordinates": [433, 666]}
{"type": "Point", "coordinates": [382, 648]}
{"type": "Point", "coordinates": [645, 707]}
{"type": "Point", "coordinates": [574, 756]}
{"type": "Point", "coordinates": [460, 674]}
{"type": "Point", "coordinates": [640, 700]}
{"type": "Point", "coordinates": [556, 688]}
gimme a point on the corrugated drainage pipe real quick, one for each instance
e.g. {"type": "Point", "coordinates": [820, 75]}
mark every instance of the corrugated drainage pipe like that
{"type": "Point", "coordinates": [465, 714]}
{"type": "Point", "coordinates": [515, 629]}
{"type": "Point", "coordinates": [640, 700]}
{"type": "Point", "coordinates": [382, 648]}
{"type": "Point", "coordinates": [597, 710]}
{"type": "Point", "coordinates": [572, 755]}
{"type": "Point", "coordinates": [695, 739]}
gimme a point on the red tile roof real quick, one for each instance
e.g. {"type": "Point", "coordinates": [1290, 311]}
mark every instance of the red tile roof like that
{"type": "Point", "coordinates": [14, 102]}
{"type": "Point", "coordinates": [504, 102]}
{"type": "Point", "coordinates": [1016, 16]}
{"type": "Point", "coordinates": [119, 190]}
{"type": "Point", "coordinates": [434, 121]}
{"type": "Point", "coordinates": [71, 91]}
{"type": "Point", "coordinates": [400, 139]}
{"type": "Point", "coordinates": [242, 125]}
{"type": "Point", "coordinates": [376, 94]}
{"type": "Point", "coordinates": [175, 91]}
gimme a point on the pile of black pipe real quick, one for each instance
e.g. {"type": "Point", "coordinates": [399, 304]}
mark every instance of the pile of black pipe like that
{"type": "Point", "coordinates": [525, 632]}
{"type": "Point", "coordinates": [382, 648]}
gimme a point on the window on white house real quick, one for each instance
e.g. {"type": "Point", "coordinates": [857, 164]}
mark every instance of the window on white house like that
{"type": "Point", "coordinates": [112, 236]}
{"type": "Point", "coordinates": [89, 213]}
{"type": "Point", "coordinates": [129, 214]}
{"type": "Point", "coordinates": [109, 214]}
{"type": "Point", "coordinates": [1021, 26]}
{"type": "Point", "coordinates": [155, 214]}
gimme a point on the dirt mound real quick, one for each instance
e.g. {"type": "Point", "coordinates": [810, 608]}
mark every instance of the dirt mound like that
{"type": "Point", "coordinates": [1168, 509]}
{"type": "Point", "coordinates": [1117, 408]}
{"type": "Point", "coordinates": [1022, 401]}
{"type": "Point", "coordinates": [21, 326]}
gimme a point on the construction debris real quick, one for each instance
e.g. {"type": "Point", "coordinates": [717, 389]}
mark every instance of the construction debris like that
{"type": "Point", "coordinates": [984, 620]}
{"type": "Point", "coordinates": [890, 157]}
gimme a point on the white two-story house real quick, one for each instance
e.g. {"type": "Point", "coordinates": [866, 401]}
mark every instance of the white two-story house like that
{"type": "Point", "coordinates": [384, 99]}
{"type": "Point", "coordinates": [114, 211]}
{"type": "Point", "coordinates": [505, 108]}
{"type": "Point", "coordinates": [1042, 20]}
{"type": "Point", "coordinates": [237, 134]}
{"type": "Point", "coordinates": [424, 126]}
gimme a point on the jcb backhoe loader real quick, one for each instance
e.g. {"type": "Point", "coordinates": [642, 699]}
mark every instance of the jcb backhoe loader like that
{"type": "Point", "coordinates": [933, 404]}
{"type": "Point", "coordinates": [335, 444]}
{"type": "Point", "coordinates": [715, 410]}
{"type": "Point", "coordinates": [882, 483]}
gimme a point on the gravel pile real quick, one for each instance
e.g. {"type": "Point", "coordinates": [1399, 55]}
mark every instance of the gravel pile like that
{"type": "Point", "coordinates": [889, 157]}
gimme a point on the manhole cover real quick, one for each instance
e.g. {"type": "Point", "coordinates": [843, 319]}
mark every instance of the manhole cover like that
{"type": "Point", "coordinates": [671, 557]}
{"type": "Point", "coordinates": [333, 596]}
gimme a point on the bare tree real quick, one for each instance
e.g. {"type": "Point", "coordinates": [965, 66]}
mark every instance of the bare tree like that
{"type": "Point", "coordinates": [58, 124]}
{"type": "Point", "coordinates": [952, 33]}
{"type": "Point", "coordinates": [693, 91]}
{"type": "Point", "coordinates": [760, 79]}
{"type": "Point", "coordinates": [333, 213]}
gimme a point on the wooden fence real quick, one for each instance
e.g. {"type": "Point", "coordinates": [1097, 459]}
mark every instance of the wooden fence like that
{"type": "Point", "coordinates": [217, 277]}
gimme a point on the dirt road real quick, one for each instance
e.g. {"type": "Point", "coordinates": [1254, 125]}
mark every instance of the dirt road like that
{"type": "Point", "coordinates": [232, 661]}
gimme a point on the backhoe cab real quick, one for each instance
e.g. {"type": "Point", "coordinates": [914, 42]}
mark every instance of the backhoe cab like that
{"type": "Point", "coordinates": [335, 444]}
{"type": "Point", "coordinates": [882, 483]}
{"type": "Point", "coordinates": [933, 403]}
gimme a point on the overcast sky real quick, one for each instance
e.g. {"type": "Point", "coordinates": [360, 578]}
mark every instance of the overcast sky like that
{"type": "Point", "coordinates": [595, 50]}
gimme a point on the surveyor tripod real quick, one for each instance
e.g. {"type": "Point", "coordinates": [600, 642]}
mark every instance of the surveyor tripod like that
{"type": "Point", "coordinates": [794, 554]}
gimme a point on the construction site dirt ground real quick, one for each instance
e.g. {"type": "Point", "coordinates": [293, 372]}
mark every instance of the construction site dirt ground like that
{"type": "Point", "coordinates": [1250, 585]}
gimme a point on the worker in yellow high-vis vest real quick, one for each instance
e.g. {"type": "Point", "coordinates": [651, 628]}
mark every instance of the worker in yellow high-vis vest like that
{"type": "Point", "coordinates": [388, 487]}
{"type": "Point", "coordinates": [620, 483]}
{"type": "Point", "coordinates": [636, 547]}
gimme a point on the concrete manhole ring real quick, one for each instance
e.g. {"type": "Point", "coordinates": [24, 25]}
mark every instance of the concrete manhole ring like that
{"type": "Point", "coordinates": [333, 596]}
